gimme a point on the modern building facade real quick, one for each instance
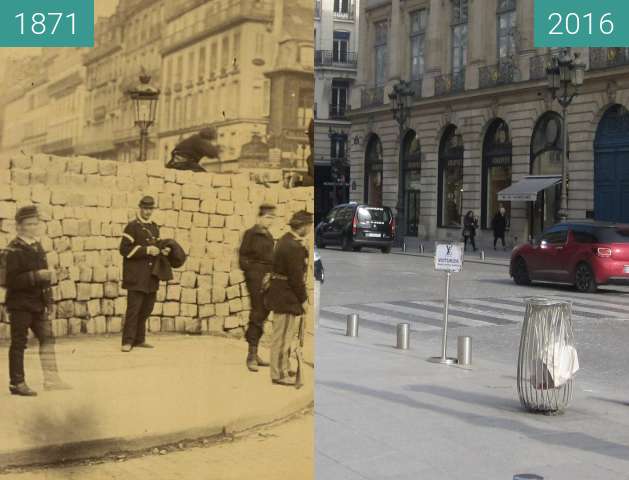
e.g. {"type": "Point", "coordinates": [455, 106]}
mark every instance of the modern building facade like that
{"type": "Point", "coordinates": [336, 46]}
{"type": "Point", "coordinates": [481, 118]}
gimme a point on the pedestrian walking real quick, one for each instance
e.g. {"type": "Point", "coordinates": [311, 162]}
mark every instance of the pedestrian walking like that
{"type": "Point", "coordinates": [287, 294]}
{"type": "Point", "coordinates": [470, 224]}
{"type": "Point", "coordinates": [189, 152]}
{"type": "Point", "coordinates": [319, 279]}
{"type": "Point", "coordinates": [256, 261]}
{"type": "Point", "coordinates": [28, 301]}
{"type": "Point", "coordinates": [499, 226]}
{"type": "Point", "coordinates": [139, 248]}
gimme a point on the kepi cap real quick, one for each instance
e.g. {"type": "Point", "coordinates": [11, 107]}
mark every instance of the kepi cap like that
{"type": "Point", "coordinates": [300, 219]}
{"type": "Point", "coordinates": [147, 202]}
{"type": "Point", "coordinates": [29, 211]}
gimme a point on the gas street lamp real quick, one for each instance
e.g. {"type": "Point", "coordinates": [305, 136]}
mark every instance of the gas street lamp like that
{"type": "Point", "coordinates": [565, 75]}
{"type": "Point", "coordinates": [400, 98]}
{"type": "Point", "coordinates": [144, 98]}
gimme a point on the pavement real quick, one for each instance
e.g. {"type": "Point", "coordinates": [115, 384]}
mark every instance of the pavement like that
{"type": "Point", "coordinates": [187, 387]}
{"type": "Point", "coordinates": [284, 450]}
{"type": "Point", "coordinates": [383, 413]}
{"type": "Point", "coordinates": [487, 255]}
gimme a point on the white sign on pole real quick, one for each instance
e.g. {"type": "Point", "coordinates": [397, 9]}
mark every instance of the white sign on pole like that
{"type": "Point", "coordinates": [448, 257]}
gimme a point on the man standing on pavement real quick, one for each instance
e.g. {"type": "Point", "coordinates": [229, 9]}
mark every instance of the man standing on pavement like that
{"type": "Point", "coordinates": [28, 301]}
{"type": "Point", "coordinates": [256, 261]}
{"type": "Point", "coordinates": [287, 293]}
{"type": "Point", "coordinates": [139, 250]}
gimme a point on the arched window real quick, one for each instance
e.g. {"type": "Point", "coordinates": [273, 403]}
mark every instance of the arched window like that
{"type": "Point", "coordinates": [496, 170]}
{"type": "Point", "coordinates": [546, 152]}
{"type": "Point", "coordinates": [450, 178]}
{"type": "Point", "coordinates": [412, 182]}
{"type": "Point", "coordinates": [373, 172]}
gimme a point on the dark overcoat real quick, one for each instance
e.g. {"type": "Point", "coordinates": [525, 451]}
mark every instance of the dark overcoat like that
{"type": "Point", "coordinates": [137, 265]}
{"type": "Point", "coordinates": [256, 250]}
{"type": "Point", "coordinates": [287, 291]}
{"type": "Point", "coordinates": [26, 291]}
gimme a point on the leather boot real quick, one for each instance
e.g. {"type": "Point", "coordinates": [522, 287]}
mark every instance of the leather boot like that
{"type": "Point", "coordinates": [252, 363]}
{"type": "Point", "coordinates": [23, 390]}
{"type": "Point", "coordinates": [55, 383]}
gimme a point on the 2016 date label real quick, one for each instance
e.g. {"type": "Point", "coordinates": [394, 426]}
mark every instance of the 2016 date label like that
{"type": "Point", "coordinates": [47, 23]}
{"type": "Point", "coordinates": [581, 23]}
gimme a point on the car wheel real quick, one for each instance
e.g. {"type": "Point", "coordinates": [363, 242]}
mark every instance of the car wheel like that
{"type": "Point", "coordinates": [521, 272]}
{"type": "Point", "coordinates": [346, 244]}
{"type": "Point", "coordinates": [386, 249]}
{"type": "Point", "coordinates": [319, 243]}
{"type": "Point", "coordinates": [584, 280]}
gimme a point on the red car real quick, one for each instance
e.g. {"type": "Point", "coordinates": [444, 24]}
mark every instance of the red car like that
{"type": "Point", "coordinates": [585, 254]}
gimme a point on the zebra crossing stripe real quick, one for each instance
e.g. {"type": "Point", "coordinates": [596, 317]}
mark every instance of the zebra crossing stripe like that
{"type": "Point", "coordinates": [577, 311]}
{"type": "Point", "coordinates": [601, 304]}
{"type": "Point", "coordinates": [376, 317]}
{"type": "Point", "coordinates": [326, 315]}
{"type": "Point", "coordinates": [436, 306]}
{"type": "Point", "coordinates": [436, 314]}
{"type": "Point", "coordinates": [493, 308]}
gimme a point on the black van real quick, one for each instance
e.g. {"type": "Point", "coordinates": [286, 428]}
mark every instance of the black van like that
{"type": "Point", "coordinates": [353, 226]}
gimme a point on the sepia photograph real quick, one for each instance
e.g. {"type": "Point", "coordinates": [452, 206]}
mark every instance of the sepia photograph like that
{"type": "Point", "coordinates": [157, 264]}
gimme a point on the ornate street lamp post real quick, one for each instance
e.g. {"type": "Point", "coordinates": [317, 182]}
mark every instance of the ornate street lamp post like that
{"type": "Point", "coordinates": [400, 99]}
{"type": "Point", "coordinates": [565, 76]}
{"type": "Point", "coordinates": [144, 98]}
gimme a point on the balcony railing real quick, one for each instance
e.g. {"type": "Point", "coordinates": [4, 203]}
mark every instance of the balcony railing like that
{"type": "Point", "coordinates": [450, 83]}
{"type": "Point", "coordinates": [538, 65]}
{"type": "Point", "coordinates": [601, 58]}
{"type": "Point", "coordinates": [330, 58]}
{"type": "Point", "coordinates": [372, 97]}
{"type": "Point", "coordinates": [499, 74]}
{"type": "Point", "coordinates": [258, 10]}
{"type": "Point", "coordinates": [339, 111]}
{"type": "Point", "coordinates": [416, 86]}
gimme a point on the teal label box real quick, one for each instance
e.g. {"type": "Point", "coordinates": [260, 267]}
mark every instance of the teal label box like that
{"type": "Point", "coordinates": [581, 23]}
{"type": "Point", "coordinates": [46, 23]}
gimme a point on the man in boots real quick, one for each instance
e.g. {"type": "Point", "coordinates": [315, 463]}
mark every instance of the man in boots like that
{"type": "Point", "coordinates": [28, 281]}
{"type": "Point", "coordinates": [287, 293]}
{"type": "Point", "coordinates": [256, 261]}
{"type": "Point", "coordinates": [139, 250]}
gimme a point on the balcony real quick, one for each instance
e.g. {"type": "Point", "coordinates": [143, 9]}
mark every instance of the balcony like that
{"type": "Point", "coordinates": [234, 13]}
{"type": "Point", "coordinates": [101, 51]}
{"type": "Point", "coordinates": [538, 65]}
{"type": "Point", "coordinates": [450, 83]}
{"type": "Point", "coordinates": [349, 14]}
{"type": "Point", "coordinates": [502, 73]}
{"type": "Point", "coordinates": [602, 58]}
{"type": "Point", "coordinates": [339, 112]}
{"type": "Point", "coordinates": [372, 97]}
{"type": "Point", "coordinates": [317, 10]}
{"type": "Point", "coordinates": [328, 58]}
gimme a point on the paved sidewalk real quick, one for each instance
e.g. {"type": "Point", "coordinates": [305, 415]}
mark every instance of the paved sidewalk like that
{"type": "Point", "coordinates": [389, 414]}
{"type": "Point", "coordinates": [492, 257]}
{"type": "Point", "coordinates": [187, 387]}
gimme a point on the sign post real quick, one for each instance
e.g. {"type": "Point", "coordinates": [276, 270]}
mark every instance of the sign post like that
{"type": "Point", "coordinates": [449, 259]}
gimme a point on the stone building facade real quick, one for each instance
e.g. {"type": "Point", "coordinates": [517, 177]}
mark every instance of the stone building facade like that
{"type": "Point", "coordinates": [481, 119]}
{"type": "Point", "coordinates": [85, 204]}
{"type": "Point", "coordinates": [336, 59]}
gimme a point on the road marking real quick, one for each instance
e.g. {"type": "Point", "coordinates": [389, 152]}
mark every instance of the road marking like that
{"type": "Point", "coordinates": [376, 317]}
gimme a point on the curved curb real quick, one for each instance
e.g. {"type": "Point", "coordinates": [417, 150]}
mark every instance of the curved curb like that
{"type": "Point", "coordinates": [72, 452]}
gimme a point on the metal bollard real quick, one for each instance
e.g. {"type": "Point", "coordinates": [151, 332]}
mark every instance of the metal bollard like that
{"type": "Point", "coordinates": [464, 351]}
{"type": "Point", "coordinates": [403, 336]}
{"type": "Point", "coordinates": [352, 325]}
{"type": "Point", "coordinates": [482, 255]}
{"type": "Point", "coordinates": [421, 247]}
{"type": "Point", "coordinates": [404, 246]}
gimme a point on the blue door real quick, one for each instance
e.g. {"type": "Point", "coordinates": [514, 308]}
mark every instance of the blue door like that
{"type": "Point", "coordinates": [611, 167]}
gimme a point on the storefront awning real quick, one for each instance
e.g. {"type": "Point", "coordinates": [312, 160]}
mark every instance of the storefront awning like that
{"type": "Point", "coordinates": [526, 190]}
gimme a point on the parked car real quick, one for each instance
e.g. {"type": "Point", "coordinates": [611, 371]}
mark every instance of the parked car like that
{"type": "Point", "coordinates": [353, 226]}
{"type": "Point", "coordinates": [585, 254]}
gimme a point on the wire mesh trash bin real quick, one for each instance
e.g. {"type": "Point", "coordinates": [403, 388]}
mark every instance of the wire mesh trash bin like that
{"type": "Point", "coordinates": [547, 361]}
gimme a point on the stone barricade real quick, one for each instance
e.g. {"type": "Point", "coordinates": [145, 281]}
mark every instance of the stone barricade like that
{"type": "Point", "coordinates": [85, 204]}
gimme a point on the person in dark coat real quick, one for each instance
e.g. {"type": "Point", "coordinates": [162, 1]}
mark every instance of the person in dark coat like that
{"type": "Point", "coordinates": [499, 226]}
{"type": "Point", "coordinates": [256, 261]}
{"type": "Point", "coordinates": [287, 293]}
{"type": "Point", "coordinates": [470, 224]}
{"type": "Point", "coordinates": [139, 248]}
{"type": "Point", "coordinates": [28, 300]}
{"type": "Point", "coordinates": [189, 152]}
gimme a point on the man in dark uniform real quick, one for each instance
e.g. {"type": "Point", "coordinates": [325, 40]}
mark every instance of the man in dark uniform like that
{"type": "Point", "coordinates": [287, 293]}
{"type": "Point", "coordinates": [256, 260]}
{"type": "Point", "coordinates": [189, 152]}
{"type": "Point", "coordinates": [28, 300]}
{"type": "Point", "coordinates": [139, 249]}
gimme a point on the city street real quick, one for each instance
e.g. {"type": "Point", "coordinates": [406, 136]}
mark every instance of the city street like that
{"type": "Point", "coordinates": [383, 413]}
{"type": "Point", "coordinates": [277, 451]}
